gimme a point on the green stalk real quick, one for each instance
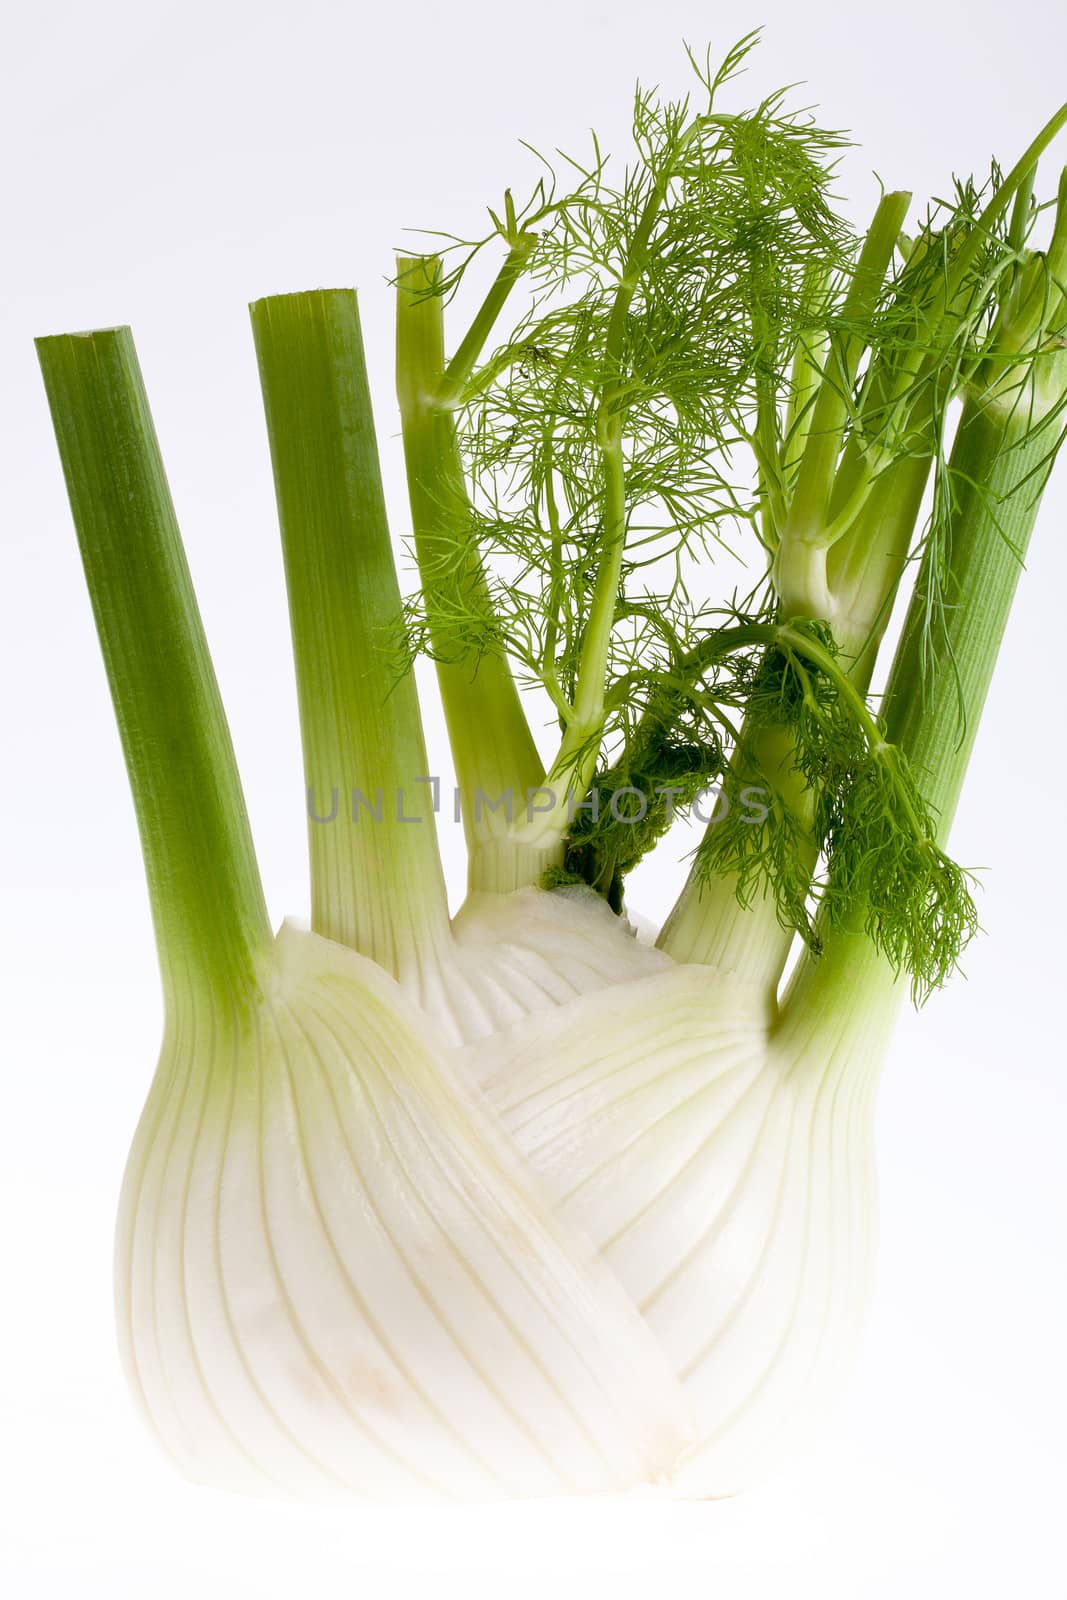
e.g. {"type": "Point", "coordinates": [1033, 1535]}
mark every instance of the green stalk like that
{"type": "Point", "coordinates": [800, 564]}
{"type": "Point", "coordinates": [867, 566]}
{"type": "Point", "coordinates": [708, 924]}
{"type": "Point", "coordinates": [454, 378]}
{"type": "Point", "coordinates": [207, 902]}
{"type": "Point", "coordinates": [492, 747]}
{"type": "Point", "coordinates": [941, 317]}
{"type": "Point", "coordinates": [937, 690]}
{"type": "Point", "coordinates": [571, 773]}
{"type": "Point", "coordinates": [376, 880]}
{"type": "Point", "coordinates": [843, 1001]}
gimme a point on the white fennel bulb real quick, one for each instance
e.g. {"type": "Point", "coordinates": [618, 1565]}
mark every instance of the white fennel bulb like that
{"type": "Point", "coordinates": [511, 956]}
{"type": "Point", "coordinates": [333, 1278]}
{"type": "Point", "coordinates": [724, 1166]}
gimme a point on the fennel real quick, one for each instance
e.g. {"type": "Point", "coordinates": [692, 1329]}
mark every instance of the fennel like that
{"type": "Point", "coordinates": [509, 1203]}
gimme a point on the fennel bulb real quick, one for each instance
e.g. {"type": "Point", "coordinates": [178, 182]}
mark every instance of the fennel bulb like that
{"type": "Point", "coordinates": [725, 1169]}
{"type": "Point", "coordinates": [517, 955]}
{"type": "Point", "coordinates": [332, 1280]}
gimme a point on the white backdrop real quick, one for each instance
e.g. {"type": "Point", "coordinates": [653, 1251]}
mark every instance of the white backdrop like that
{"type": "Point", "coordinates": [163, 165]}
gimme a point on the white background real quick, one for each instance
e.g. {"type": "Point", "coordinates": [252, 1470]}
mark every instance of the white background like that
{"type": "Point", "coordinates": [164, 164]}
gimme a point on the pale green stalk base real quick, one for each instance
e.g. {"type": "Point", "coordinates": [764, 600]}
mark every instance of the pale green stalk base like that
{"type": "Point", "coordinates": [847, 998]}
{"type": "Point", "coordinates": [708, 923]}
{"type": "Point", "coordinates": [710, 927]}
{"type": "Point", "coordinates": [498, 866]}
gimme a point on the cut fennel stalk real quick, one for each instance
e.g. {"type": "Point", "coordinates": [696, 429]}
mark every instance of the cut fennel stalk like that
{"type": "Point", "coordinates": [509, 1203]}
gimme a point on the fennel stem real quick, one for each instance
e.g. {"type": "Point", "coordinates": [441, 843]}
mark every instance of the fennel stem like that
{"type": "Point", "coordinates": [207, 902]}
{"type": "Point", "coordinates": [492, 747]}
{"type": "Point", "coordinates": [937, 689]}
{"type": "Point", "coordinates": [807, 535]}
{"type": "Point", "coordinates": [708, 924]}
{"type": "Point", "coordinates": [376, 879]}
